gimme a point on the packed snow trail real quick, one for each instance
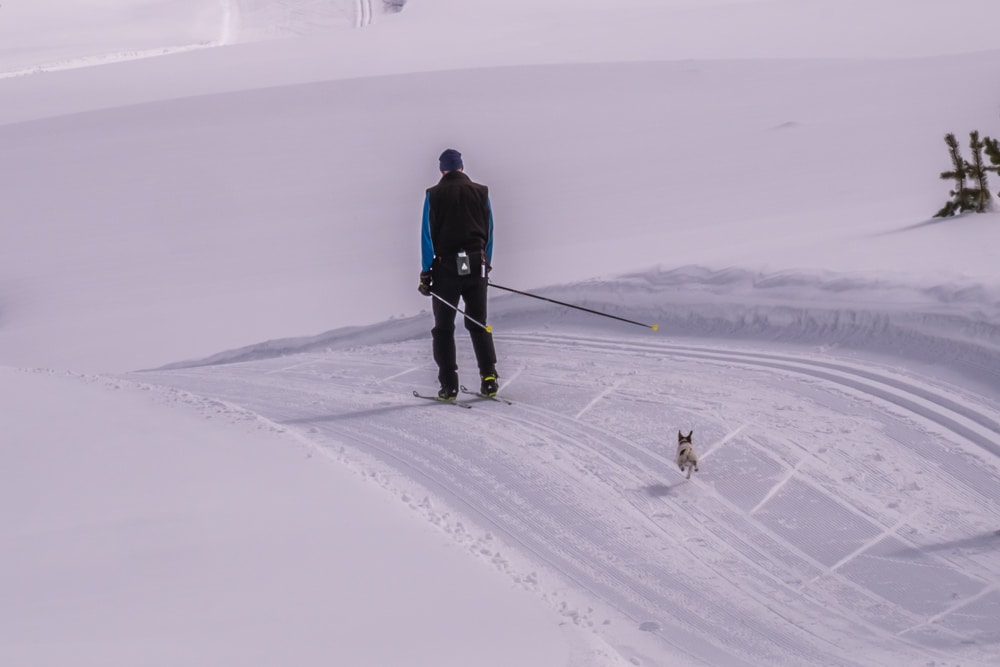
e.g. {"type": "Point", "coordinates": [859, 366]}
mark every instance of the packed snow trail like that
{"type": "Point", "coordinates": [844, 513]}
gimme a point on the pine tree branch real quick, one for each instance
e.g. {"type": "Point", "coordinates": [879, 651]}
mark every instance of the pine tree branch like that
{"type": "Point", "coordinates": [992, 148]}
{"type": "Point", "coordinates": [957, 174]}
{"type": "Point", "coordinates": [980, 195]}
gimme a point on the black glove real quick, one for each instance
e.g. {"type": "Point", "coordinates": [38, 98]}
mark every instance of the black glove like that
{"type": "Point", "coordinates": [425, 283]}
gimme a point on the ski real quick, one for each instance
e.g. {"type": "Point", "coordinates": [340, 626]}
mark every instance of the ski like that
{"type": "Point", "coordinates": [440, 400]}
{"type": "Point", "coordinates": [498, 399]}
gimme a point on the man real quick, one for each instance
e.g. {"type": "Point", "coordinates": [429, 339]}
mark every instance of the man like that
{"type": "Point", "coordinates": [457, 247]}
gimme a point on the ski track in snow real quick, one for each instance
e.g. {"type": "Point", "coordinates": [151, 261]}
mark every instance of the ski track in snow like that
{"type": "Point", "coordinates": [844, 513]}
{"type": "Point", "coordinates": [105, 59]}
{"type": "Point", "coordinates": [364, 14]}
{"type": "Point", "coordinates": [230, 29]}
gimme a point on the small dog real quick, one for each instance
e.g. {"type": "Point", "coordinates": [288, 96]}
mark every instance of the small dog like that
{"type": "Point", "coordinates": [685, 453]}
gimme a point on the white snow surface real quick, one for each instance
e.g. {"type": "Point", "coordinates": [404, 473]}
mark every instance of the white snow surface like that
{"type": "Point", "coordinates": [210, 333]}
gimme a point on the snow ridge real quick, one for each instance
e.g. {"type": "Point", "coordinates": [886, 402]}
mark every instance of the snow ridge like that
{"type": "Point", "coordinates": [956, 325]}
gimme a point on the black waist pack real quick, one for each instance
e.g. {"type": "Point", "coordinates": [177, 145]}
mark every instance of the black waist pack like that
{"type": "Point", "coordinates": [464, 263]}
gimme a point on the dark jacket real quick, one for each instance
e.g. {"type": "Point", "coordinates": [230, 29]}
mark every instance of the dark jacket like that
{"type": "Point", "coordinates": [457, 216]}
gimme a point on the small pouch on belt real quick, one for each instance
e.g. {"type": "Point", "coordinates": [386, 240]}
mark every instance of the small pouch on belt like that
{"type": "Point", "coordinates": [463, 264]}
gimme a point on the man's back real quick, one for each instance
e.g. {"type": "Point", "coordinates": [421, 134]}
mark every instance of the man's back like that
{"type": "Point", "coordinates": [459, 215]}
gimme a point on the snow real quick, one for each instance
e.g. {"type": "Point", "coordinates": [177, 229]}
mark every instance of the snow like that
{"type": "Point", "coordinates": [228, 192]}
{"type": "Point", "coordinates": [139, 534]}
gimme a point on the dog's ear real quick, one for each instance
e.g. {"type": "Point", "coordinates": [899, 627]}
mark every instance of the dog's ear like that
{"type": "Point", "coordinates": [690, 433]}
{"type": "Point", "coordinates": [680, 436]}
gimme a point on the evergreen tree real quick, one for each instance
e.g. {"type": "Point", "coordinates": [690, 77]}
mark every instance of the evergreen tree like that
{"type": "Point", "coordinates": [992, 148]}
{"type": "Point", "coordinates": [976, 171]}
{"type": "Point", "coordinates": [963, 198]}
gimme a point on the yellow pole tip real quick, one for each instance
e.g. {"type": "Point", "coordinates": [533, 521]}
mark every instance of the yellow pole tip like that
{"type": "Point", "coordinates": [655, 327]}
{"type": "Point", "coordinates": [489, 329]}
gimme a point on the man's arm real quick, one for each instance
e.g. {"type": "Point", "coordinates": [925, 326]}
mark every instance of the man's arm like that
{"type": "Point", "coordinates": [489, 238]}
{"type": "Point", "coordinates": [426, 244]}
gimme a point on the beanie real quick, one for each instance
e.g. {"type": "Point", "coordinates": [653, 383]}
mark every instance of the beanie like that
{"type": "Point", "coordinates": [450, 160]}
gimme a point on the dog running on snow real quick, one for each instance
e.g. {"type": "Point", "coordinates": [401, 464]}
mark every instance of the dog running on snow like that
{"type": "Point", "coordinates": [686, 456]}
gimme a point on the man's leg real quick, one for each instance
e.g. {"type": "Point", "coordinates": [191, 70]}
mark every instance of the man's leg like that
{"type": "Point", "coordinates": [443, 333]}
{"type": "Point", "coordinates": [474, 295]}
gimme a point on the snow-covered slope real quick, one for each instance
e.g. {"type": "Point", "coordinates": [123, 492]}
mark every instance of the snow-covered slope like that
{"type": "Point", "coordinates": [754, 176]}
{"type": "Point", "coordinates": [189, 226]}
{"type": "Point", "coordinates": [154, 527]}
{"type": "Point", "coordinates": [846, 510]}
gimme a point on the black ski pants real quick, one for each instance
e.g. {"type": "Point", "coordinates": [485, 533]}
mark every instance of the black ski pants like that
{"type": "Point", "coordinates": [472, 290]}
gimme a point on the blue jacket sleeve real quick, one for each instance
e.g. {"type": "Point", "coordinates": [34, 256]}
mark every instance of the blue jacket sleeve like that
{"type": "Point", "coordinates": [426, 245]}
{"type": "Point", "coordinates": [489, 241]}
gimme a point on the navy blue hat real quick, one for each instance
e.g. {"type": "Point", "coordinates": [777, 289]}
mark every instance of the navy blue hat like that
{"type": "Point", "coordinates": [451, 160]}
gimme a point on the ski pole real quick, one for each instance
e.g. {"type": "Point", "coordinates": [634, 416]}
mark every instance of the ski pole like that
{"type": "Point", "coordinates": [654, 327]}
{"type": "Point", "coordinates": [485, 327]}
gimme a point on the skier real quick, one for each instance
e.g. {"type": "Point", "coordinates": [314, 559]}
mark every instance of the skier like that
{"type": "Point", "coordinates": [457, 247]}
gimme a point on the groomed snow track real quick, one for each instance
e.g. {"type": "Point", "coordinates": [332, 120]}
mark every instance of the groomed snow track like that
{"type": "Point", "coordinates": [846, 513]}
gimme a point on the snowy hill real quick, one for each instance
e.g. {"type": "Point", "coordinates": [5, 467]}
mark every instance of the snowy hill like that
{"type": "Point", "coordinates": [230, 193]}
